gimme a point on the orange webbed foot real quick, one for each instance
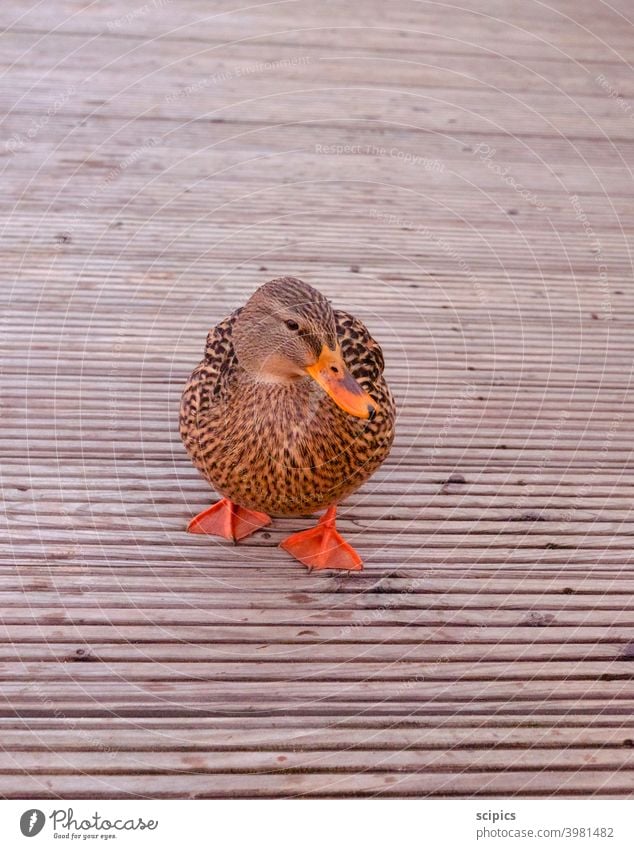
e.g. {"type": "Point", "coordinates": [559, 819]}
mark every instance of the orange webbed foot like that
{"type": "Point", "coordinates": [323, 547]}
{"type": "Point", "coordinates": [228, 520]}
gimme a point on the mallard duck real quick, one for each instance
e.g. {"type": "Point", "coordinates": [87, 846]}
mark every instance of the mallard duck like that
{"type": "Point", "coordinates": [286, 415]}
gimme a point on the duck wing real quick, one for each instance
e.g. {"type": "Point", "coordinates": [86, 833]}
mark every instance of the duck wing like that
{"type": "Point", "coordinates": [207, 384]}
{"type": "Point", "coordinates": [362, 354]}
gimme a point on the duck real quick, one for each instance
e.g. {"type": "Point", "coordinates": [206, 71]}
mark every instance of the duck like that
{"type": "Point", "coordinates": [287, 414]}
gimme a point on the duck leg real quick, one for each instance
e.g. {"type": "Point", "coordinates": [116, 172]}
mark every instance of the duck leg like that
{"type": "Point", "coordinates": [228, 520]}
{"type": "Point", "coordinates": [322, 547]}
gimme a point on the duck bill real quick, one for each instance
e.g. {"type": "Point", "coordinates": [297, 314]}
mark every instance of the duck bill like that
{"type": "Point", "coordinates": [331, 374]}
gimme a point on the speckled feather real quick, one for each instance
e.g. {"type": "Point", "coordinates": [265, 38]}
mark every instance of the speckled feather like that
{"type": "Point", "coordinates": [284, 449]}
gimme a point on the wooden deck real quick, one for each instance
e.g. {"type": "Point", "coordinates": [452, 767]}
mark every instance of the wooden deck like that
{"type": "Point", "coordinates": [460, 180]}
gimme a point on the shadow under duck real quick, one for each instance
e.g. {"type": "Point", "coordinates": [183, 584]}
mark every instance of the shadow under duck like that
{"type": "Point", "coordinates": [286, 415]}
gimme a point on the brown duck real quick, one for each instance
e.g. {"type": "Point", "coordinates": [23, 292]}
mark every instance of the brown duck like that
{"type": "Point", "coordinates": [286, 415]}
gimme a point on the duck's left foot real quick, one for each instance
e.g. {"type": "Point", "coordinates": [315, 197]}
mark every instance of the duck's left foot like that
{"type": "Point", "coordinates": [228, 520]}
{"type": "Point", "coordinates": [322, 547]}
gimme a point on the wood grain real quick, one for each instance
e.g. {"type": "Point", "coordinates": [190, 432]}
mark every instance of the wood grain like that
{"type": "Point", "coordinates": [459, 177]}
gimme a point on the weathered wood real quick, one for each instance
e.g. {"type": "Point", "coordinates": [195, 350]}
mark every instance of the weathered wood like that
{"type": "Point", "coordinates": [157, 166]}
{"type": "Point", "coordinates": [536, 783]}
{"type": "Point", "coordinates": [202, 762]}
{"type": "Point", "coordinates": [535, 630]}
{"type": "Point", "coordinates": [84, 738]}
{"type": "Point", "coordinates": [92, 667]}
{"type": "Point", "coordinates": [86, 652]}
{"type": "Point", "coordinates": [415, 622]}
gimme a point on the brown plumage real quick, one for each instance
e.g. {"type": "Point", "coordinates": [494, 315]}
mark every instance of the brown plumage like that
{"type": "Point", "coordinates": [262, 430]}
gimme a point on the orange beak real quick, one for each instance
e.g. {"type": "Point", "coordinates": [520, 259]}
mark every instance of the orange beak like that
{"type": "Point", "coordinates": [334, 378]}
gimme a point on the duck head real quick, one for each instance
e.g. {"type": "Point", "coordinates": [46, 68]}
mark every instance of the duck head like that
{"type": "Point", "coordinates": [286, 332]}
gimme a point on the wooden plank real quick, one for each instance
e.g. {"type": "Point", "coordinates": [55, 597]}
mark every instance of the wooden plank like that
{"type": "Point", "coordinates": [289, 605]}
{"type": "Point", "coordinates": [490, 620]}
{"type": "Point", "coordinates": [609, 740]}
{"type": "Point", "coordinates": [314, 634]}
{"type": "Point", "coordinates": [314, 696]}
{"type": "Point", "coordinates": [605, 784]}
{"type": "Point", "coordinates": [295, 725]}
{"type": "Point", "coordinates": [24, 764]}
{"type": "Point", "coordinates": [91, 667]}
{"type": "Point", "coordinates": [84, 650]}
{"type": "Point", "coordinates": [486, 649]}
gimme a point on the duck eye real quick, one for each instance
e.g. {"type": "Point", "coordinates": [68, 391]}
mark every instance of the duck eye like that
{"type": "Point", "coordinates": [292, 325]}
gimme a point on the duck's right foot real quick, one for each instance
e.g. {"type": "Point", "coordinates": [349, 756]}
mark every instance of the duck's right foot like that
{"type": "Point", "coordinates": [228, 520]}
{"type": "Point", "coordinates": [323, 547]}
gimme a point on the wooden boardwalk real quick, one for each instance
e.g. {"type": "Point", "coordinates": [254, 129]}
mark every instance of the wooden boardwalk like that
{"type": "Point", "coordinates": [458, 177]}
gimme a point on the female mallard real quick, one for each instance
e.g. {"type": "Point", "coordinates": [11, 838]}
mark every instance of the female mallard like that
{"type": "Point", "coordinates": [287, 414]}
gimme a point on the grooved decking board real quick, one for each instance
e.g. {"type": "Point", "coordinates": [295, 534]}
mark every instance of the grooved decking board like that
{"type": "Point", "coordinates": [475, 211]}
